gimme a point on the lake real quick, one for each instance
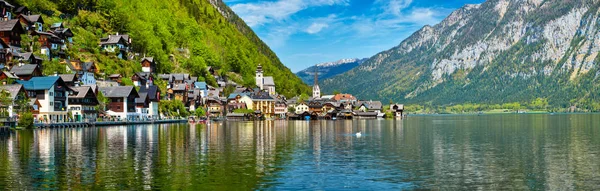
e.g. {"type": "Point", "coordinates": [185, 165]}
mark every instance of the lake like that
{"type": "Point", "coordinates": [499, 152]}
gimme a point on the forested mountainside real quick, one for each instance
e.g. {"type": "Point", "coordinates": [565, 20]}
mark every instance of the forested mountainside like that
{"type": "Point", "coordinates": [328, 69]}
{"type": "Point", "coordinates": [495, 52]}
{"type": "Point", "coordinates": [184, 36]}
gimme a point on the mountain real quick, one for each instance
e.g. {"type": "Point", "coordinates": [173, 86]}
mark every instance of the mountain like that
{"type": "Point", "coordinates": [496, 52]}
{"type": "Point", "coordinates": [328, 69]}
{"type": "Point", "coordinates": [184, 36]}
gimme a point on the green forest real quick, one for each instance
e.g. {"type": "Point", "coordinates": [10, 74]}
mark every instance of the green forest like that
{"type": "Point", "coordinates": [184, 36]}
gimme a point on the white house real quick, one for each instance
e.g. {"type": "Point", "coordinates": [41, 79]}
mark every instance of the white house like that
{"type": "Point", "coordinates": [122, 102]}
{"type": "Point", "coordinates": [49, 98]}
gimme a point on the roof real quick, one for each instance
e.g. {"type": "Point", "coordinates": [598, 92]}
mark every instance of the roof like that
{"type": "Point", "coordinates": [10, 75]}
{"type": "Point", "coordinates": [26, 69]}
{"type": "Point", "coordinates": [339, 97]}
{"type": "Point", "coordinates": [150, 59]}
{"type": "Point", "coordinates": [81, 91]}
{"type": "Point", "coordinates": [118, 91]}
{"type": "Point", "coordinates": [233, 95]}
{"type": "Point", "coordinates": [151, 91]}
{"type": "Point", "coordinates": [372, 105]}
{"type": "Point", "coordinates": [143, 75]}
{"type": "Point", "coordinates": [142, 98]}
{"type": "Point", "coordinates": [112, 39]}
{"type": "Point", "coordinates": [20, 9]}
{"type": "Point", "coordinates": [115, 76]}
{"type": "Point", "coordinates": [87, 66]}
{"type": "Point", "coordinates": [6, 4]}
{"type": "Point", "coordinates": [67, 77]}
{"type": "Point", "coordinates": [12, 89]}
{"type": "Point", "coordinates": [8, 25]}
{"type": "Point", "coordinates": [33, 18]}
{"type": "Point", "coordinates": [200, 85]}
{"type": "Point", "coordinates": [57, 25]}
{"type": "Point", "coordinates": [178, 87]}
{"type": "Point", "coordinates": [400, 106]}
{"type": "Point", "coordinates": [268, 80]}
{"type": "Point", "coordinates": [262, 96]}
{"type": "Point", "coordinates": [40, 83]}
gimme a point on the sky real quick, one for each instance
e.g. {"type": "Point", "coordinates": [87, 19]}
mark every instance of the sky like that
{"type": "Point", "coordinates": [307, 32]}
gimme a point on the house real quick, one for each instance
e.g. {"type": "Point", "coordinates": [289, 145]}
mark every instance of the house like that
{"type": "Point", "coordinates": [116, 44]}
{"type": "Point", "coordinates": [116, 77]}
{"type": "Point", "coordinates": [263, 102]}
{"type": "Point", "coordinates": [31, 22]}
{"type": "Point", "coordinates": [82, 104]}
{"type": "Point", "coordinates": [238, 101]}
{"type": "Point", "coordinates": [142, 79]}
{"type": "Point", "coordinates": [6, 10]}
{"type": "Point", "coordinates": [148, 65]}
{"type": "Point", "coordinates": [58, 25]}
{"type": "Point", "coordinates": [215, 107]}
{"type": "Point", "coordinates": [70, 79]}
{"type": "Point", "coordinates": [26, 71]}
{"type": "Point", "coordinates": [301, 108]}
{"type": "Point", "coordinates": [178, 92]}
{"type": "Point", "coordinates": [153, 94]}
{"type": "Point", "coordinates": [281, 108]}
{"type": "Point", "coordinates": [265, 82]}
{"type": "Point", "coordinates": [397, 109]}
{"type": "Point", "coordinates": [371, 106]}
{"type": "Point", "coordinates": [22, 11]}
{"type": "Point", "coordinates": [122, 101]}
{"type": "Point", "coordinates": [7, 77]}
{"type": "Point", "coordinates": [15, 92]}
{"type": "Point", "coordinates": [48, 97]}
{"type": "Point", "coordinates": [29, 58]}
{"type": "Point", "coordinates": [85, 71]}
{"type": "Point", "coordinates": [330, 106]}
{"type": "Point", "coordinates": [6, 54]}
{"type": "Point", "coordinates": [65, 34]}
{"type": "Point", "coordinates": [202, 91]}
{"type": "Point", "coordinates": [315, 107]}
{"type": "Point", "coordinates": [49, 40]}
{"type": "Point", "coordinates": [142, 106]}
{"type": "Point", "coordinates": [11, 31]}
{"type": "Point", "coordinates": [345, 98]}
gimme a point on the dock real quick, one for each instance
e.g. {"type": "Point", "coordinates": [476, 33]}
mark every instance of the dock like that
{"type": "Point", "coordinates": [105, 123]}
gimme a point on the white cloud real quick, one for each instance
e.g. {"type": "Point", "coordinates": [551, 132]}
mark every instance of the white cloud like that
{"type": "Point", "coordinates": [316, 28]}
{"type": "Point", "coordinates": [256, 14]}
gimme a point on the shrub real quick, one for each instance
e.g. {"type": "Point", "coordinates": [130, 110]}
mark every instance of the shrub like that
{"type": "Point", "coordinates": [26, 120]}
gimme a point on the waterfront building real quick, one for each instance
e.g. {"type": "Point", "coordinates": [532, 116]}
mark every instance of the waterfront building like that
{"type": "Point", "coordinates": [371, 106]}
{"type": "Point", "coordinates": [153, 94]}
{"type": "Point", "coordinates": [15, 91]}
{"type": "Point", "coordinates": [82, 104]}
{"type": "Point", "coordinates": [397, 109]}
{"type": "Point", "coordinates": [48, 97]}
{"type": "Point", "coordinates": [263, 102]}
{"type": "Point", "coordinates": [121, 101]}
{"type": "Point", "coordinates": [301, 108]}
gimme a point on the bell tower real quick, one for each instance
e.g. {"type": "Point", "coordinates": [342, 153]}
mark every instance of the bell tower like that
{"type": "Point", "coordinates": [259, 77]}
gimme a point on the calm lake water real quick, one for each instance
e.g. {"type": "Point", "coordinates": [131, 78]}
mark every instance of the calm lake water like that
{"type": "Point", "coordinates": [514, 152]}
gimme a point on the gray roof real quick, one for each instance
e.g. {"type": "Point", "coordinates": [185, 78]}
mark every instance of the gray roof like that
{"type": "Point", "coordinates": [117, 91]}
{"type": "Point", "coordinates": [67, 77]}
{"type": "Point", "coordinates": [26, 69]}
{"type": "Point", "coordinates": [151, 91]}
{"type": "Point", "coordinates": [268, 80]}
{"type": "Point", "coordinates": [81, 91]}
{"type": "Point", "coordinates": [12, 89]}
{"type": "Point", "coordinates": [150, 59]}
{"type": "Point", "coordinates": [114, 75]}
{"type": "Point", "coordinates": [142, 98]}
{"type": "Point", "coordinates": [8, 25]}
{"type": "Point", "coordinates": [178, 87]}
{"type": "Point", "coordinates": [262, 96]}
{"type": "Point", "coordinates": [373, 105]}
{"type": "Point", "coordinates": [6, 4]}
{"type": "Point", "coordinates": [33, 18]}
{"type": "Point", "coordinates": [10, 75]}
{"type": "Point", "coordinates": [113, 39]}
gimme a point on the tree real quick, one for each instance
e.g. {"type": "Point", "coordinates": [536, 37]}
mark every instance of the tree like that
{"type": "Point", "coordinates": [199, 112]}
{"type": "Point", "coordinates": [103, 101]}
{"type": "Point", "coordinates": [336, 92]}
{"type": "Point", "coordinates": [26, 120]}
{"type": "Point", "coordinates": [292, 109]}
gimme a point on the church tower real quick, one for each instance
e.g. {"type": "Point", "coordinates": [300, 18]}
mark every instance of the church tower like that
{"type": "Point", "coordinates": [259, 77]}
{"type": "Point", "coordinates": [316, 89]}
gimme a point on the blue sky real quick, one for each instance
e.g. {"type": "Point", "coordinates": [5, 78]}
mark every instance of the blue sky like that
{"type": "Point", "coordinates": [307, 32]}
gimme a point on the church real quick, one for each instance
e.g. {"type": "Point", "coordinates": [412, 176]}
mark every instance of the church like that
{"type": "Point", "coordinates": [316, 89]}
{"type": "Point", "coordinates": [265, 82]}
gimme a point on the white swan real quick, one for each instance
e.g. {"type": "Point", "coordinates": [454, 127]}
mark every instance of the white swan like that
{"type": "Point", "coordinates": [358, 134]}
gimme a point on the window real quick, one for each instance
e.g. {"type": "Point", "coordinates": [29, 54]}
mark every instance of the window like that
{"type": "Point", "coordinates": [51, 103]}
{"type": "Point", "coordinates": [51, 94]}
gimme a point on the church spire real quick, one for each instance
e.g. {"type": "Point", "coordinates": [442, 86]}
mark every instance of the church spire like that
{"type": "Point", "coordinates": [316, 75]}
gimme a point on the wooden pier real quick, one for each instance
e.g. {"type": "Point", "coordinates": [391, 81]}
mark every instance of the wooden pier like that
{"type": "Point", "coordinates": [104, 123]}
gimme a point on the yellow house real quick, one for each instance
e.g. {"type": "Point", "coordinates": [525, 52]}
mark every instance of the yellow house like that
{"type": "Point", "coordinates": [263, 102]}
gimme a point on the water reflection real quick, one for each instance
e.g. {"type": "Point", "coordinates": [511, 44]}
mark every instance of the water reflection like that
{"type": "Point", "coordinates": [559, 152]}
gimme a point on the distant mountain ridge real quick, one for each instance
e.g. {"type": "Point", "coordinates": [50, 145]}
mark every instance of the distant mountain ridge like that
{"type": "Point", "coordinates": [329, 69]}
{"type": "Point", "coordinates": [496, 52]}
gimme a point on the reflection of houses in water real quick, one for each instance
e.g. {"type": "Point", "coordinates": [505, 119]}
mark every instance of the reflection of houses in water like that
{"type": "Point", "coordinates": [44, 145]}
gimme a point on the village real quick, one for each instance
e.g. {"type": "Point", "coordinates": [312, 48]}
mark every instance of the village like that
{"type": "Point", "coordinates": [87, 94]}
